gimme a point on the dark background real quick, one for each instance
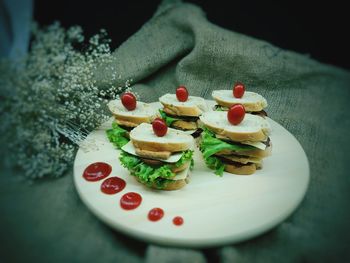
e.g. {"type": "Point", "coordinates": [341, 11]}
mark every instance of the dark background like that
{"type": "Point", "coordinates": [319, 29]}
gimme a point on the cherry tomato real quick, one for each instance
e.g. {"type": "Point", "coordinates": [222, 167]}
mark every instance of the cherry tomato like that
{"type": "Point", "coordinates": [181, 93]}
{"type": "Point", "coordinates": [159, 127]}
{"type": "Point", "coordinates": [129, 101]}
{"type": "Point", "coordinates": [235, 114]}
{"type": "Point", "coordinates": [238, 90]}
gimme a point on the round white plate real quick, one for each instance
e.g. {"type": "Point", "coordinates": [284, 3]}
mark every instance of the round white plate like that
{"type": "Point", "coordinates": [216, 210]}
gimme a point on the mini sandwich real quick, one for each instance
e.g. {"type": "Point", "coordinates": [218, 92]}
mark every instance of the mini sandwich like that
{"type": "Point", "coordinates": [253, 102]}
{"type": "Point", "coordinates": [128, 113]}
{"type": "Point", "coordinates": [233, 141]}
{"type": "Point", "coordinates": [157, 156]}
{"type": "Point", "coordinates": [182, 112]}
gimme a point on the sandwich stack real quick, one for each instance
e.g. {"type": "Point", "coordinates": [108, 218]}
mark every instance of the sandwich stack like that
{"type": "Point", "coordinates": [128, 114]}
{"type": "Point", "coordinates": [181, 111]}
{"type": "Point", "coordinates": [253, 102]}
{"type": "Point", "coordinates": [233, 141]}
{"type": "Point", "coordinates": [157, 156]}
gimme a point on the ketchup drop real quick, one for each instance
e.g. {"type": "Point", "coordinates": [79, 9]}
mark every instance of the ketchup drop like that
{"type": "Point", "coordinates": [155, 214]}
{"type": "Point", "coordinates": [112, 185]}
{"type": "Point", "coordinates": [130, 201]}
{"type": "Point", "coordinates": [178, 220]}
{"type": "Point", "coordinates": [97, 171]}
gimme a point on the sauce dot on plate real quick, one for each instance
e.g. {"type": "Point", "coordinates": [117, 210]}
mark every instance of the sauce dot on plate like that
{"type": "Point", "coordinates": [155, 214]}
{"type": "Point", "coordinates": [97, 171]}
{"type": "Point", "coordinates": [112, 185]}
{"type": "Point", "coordinates": [178, 220]}
{"type": "Point", "coordinates": [130, 200]}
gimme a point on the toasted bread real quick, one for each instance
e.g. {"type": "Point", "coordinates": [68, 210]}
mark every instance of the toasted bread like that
{"type": "Point", "coordinates": [253, 128]}
{"type": "Point", "coordinates": [143, 138]}
{"type": "Point", "coordinates": [246, 169]}
{"type": "Point", "coordinates": [181, 168]}
{"type": "Point", "coordinates": [128, 124]}
{"type": "Point", "coordinates": [251, 101]}
{"type": "Point", "coordinates": [185, 125]}
{"type": "Point", "coordinates": [153, 154]}
{"type": "Point", "coordinates": [194, 106]}
{"type": "Point", "coordinates": [170, 185]}
{"type": "Point", "coordinates": [142, 113]}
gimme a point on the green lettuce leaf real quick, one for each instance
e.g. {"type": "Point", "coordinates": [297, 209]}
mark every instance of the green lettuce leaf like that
{"type": "Point", "coordinates": [156, 176]}
{"type": "Point", "coordinates": [210, 145]}
{"type": "Point", "coordinates": [216, 164]}
{"type": "Point", "coordinates": [168, 120]}
{"type": "Point", "coordinates": [117, 135]}
{"type": "Point", "coordinates": [186, 156]}
{"type": "Point", "coordinates": [128, 161]}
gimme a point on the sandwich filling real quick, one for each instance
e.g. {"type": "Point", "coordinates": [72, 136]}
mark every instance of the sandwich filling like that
{"type": "Point", "coordinates": [218, 153]}
{"type": "Point", "coordinates": [126, 120]}
{"type": "Point", "coordinates": [252, 102]}
{"type": "Point", "coordinates": [156, 173]}
{"type": "Point", "coordinates": [183, 115]}
{"type": "Point", "coordinates": [261, 113]}
{"type": "Point", "coordinates": [118, 135]}
{"type": "Point", "coordinates": [184, 123]}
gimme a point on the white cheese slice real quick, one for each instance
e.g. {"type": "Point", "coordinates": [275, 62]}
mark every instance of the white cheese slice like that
{"type": "Point", "coordinates": [181, 175]}
{"type": "Point", "coordinates": [258, 145]}
{"type": "Point", "coordinates": [129, 148]}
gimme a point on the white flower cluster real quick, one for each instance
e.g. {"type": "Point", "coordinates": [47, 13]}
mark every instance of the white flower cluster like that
{"type": "Point", "coordinates": [50, 99]}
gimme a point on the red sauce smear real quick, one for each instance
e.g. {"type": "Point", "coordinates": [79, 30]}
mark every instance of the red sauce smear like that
{"type": "Point", "coordinates": [130, 201]}
{"type": "Point", "coordinates": [112, 185]}
{"type": "Point", "coordinates": [178, 220]}
{"type": "Point", "coordinates": [97, 171]}
{"type": "Point", "coordinates": [155, 214]}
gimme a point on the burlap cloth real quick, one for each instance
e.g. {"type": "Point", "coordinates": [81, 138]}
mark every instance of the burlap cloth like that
{"type": "Point", "coordinates": [45, 221]}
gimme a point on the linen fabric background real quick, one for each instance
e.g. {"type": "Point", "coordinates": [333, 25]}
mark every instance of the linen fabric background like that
{"type": "Point", "coordinates": [45, 221]}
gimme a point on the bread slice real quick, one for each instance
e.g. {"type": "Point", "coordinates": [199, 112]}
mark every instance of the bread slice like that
{"type": "Point", "coordinates": [181, 168]}
{"type": "Point", "coordinates": [246, 169]}
{"type": "Point", "coordinates": [253, 128]}
{"type": "Point", "coordinates": [251, 101]}
{"type": "Point", "coordinates": [126, 123]}
{"type": "Point", "coordinates": [170, 185]}
{"type": "Point", "coordinates": [161, 156]}
{"type": "Point", "coordinates": [143, 112]}
{"type": "Point", "coordinates": [185, 125]}
{"type": "Point", "coordinates": [153, 154]}
{"type": "Point", "coordinates": [143, 138]}
{"type": "Point", "coordinates": [175, 183]}
{"type": "Point", "coordinates": [252, 153]}
{"type": "Point", "coordinates": [194, 106]}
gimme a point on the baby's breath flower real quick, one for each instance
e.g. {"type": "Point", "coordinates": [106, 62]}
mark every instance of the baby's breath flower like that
{"type": "Point", "coordinates": [50, 100]}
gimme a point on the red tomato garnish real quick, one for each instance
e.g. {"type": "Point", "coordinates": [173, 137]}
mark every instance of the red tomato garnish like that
{"type": "Point", "coordinates": [238, 90]}
{"type": "Point", "coordinates": [235, 114]}
{"type": "Point", "coordinates": [159, 127]}
{"type": "Point", "coordinates": [129, 101]}
{"type": "Point", "coordinates": [181, 93]}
